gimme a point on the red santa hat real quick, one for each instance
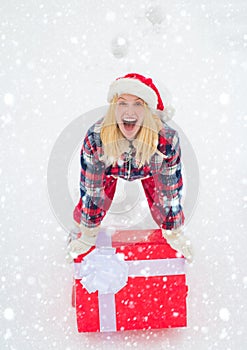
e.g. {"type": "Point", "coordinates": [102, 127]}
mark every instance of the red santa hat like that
{"type": "Point", "coordinates": [138, 85]}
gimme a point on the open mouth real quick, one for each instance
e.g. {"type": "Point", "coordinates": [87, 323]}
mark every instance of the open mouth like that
{"type": "Point", "coordinates": [129, 123]}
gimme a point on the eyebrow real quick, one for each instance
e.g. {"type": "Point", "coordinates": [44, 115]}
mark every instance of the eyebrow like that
{"type": "Point", "coordinates": [138, 98]}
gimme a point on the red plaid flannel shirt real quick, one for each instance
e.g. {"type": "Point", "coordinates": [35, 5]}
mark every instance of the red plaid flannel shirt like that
{"type": "Point", "coordinates": [161, 179]}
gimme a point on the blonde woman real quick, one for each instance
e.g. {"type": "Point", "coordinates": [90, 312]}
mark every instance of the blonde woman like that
{"type": "Point", "coordinates": [131, 142]}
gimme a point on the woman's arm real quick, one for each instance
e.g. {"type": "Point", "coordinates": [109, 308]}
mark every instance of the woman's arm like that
{"type": "Point", "coordinates": [96, 189]}
{"type": "Point", "coordinates": [164, 189]}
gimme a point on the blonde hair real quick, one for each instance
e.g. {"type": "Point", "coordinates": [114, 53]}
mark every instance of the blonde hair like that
{"type": "Point", "coordinates": [114, 143]}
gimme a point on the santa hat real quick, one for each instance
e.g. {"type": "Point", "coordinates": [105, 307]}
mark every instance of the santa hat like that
{"type": "Point", "coordinates": [138, 85]}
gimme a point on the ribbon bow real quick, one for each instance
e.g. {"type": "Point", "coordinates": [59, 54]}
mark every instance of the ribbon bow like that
{"type": "Point", "coordinates": [104, 270]}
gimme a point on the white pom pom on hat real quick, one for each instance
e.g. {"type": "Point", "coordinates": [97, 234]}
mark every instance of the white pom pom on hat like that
{"type": "Point", "coordinates": [138, 85]}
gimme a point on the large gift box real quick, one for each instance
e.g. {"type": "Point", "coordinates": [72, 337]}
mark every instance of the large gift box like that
{"type": "Point", "coordinates": [131, 280]}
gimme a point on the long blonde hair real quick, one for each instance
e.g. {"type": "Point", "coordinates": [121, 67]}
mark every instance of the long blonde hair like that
{"type": "Point", "coordinates": [114, 143]}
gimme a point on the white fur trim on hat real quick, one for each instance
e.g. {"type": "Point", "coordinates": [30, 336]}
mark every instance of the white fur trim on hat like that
{"type": "Point", "coordinates": [133, 87]}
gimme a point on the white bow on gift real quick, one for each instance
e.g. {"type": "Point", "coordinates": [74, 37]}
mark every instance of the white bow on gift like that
{"type": "Point", "coordinates": [104, 270]}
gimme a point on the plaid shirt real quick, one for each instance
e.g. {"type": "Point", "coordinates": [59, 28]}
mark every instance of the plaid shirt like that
{"type": "Point", "coordinates": [161, 179]}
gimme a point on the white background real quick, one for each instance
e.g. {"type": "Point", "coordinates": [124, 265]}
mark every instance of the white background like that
{"type": "Point", "coordinates": [57, 61]}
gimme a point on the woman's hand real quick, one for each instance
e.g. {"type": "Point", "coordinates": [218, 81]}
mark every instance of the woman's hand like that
{"type": "Point", "coordinates": [179, 242]}
{"type": "Point", "coordinates": [83, 243]}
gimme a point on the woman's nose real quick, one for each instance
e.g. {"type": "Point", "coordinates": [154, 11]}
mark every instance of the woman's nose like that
{"type": "Point", "coordinates": [130, 110]}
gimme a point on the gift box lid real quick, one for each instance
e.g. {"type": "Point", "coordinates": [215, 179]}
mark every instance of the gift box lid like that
{"type": "Point", "coordinates": [150, 244]}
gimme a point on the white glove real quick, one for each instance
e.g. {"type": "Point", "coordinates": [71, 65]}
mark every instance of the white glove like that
{"type": "Point", "coordinates": [179, 242]}
{"type": "Point", "coordinates": [82, 244]}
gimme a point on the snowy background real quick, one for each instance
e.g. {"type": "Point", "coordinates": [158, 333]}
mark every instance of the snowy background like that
{"type": "Point", "coordinates": [57, 61]}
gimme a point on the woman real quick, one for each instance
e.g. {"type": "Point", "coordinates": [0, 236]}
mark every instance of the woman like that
{"type": "Point", "coordinates": [131, 142]}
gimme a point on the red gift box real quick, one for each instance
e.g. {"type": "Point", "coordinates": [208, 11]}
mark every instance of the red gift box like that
{"type": "Point", "coordinates": [154, 295]}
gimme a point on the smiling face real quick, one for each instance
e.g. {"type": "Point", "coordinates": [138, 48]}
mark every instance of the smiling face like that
{"type": "Point", "coordinates": [129, 115]}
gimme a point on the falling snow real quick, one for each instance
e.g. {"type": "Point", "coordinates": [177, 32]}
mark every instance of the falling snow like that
{"type": "Point", "coordinates": [224, 99]}
{"type": "Point", "coordinates": [9, 99]}
{"type": "Point", "coordinates": [57, 60]}
{"type": "Point", "coordinates": [224, 314]}
{"type": "Point", "coordinates": [9, 314]}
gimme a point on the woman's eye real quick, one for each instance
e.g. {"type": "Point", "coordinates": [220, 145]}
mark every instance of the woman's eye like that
{"type": "Point", "coordinates": [122, 103]}
{"type": "Point", "coordinates": [138, 104]}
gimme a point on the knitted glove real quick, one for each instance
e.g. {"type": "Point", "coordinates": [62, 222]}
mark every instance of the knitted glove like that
{"type": "Point", "coordinates": [82, 244]}
{"type": "Point", "coordinates": [179, 242]}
